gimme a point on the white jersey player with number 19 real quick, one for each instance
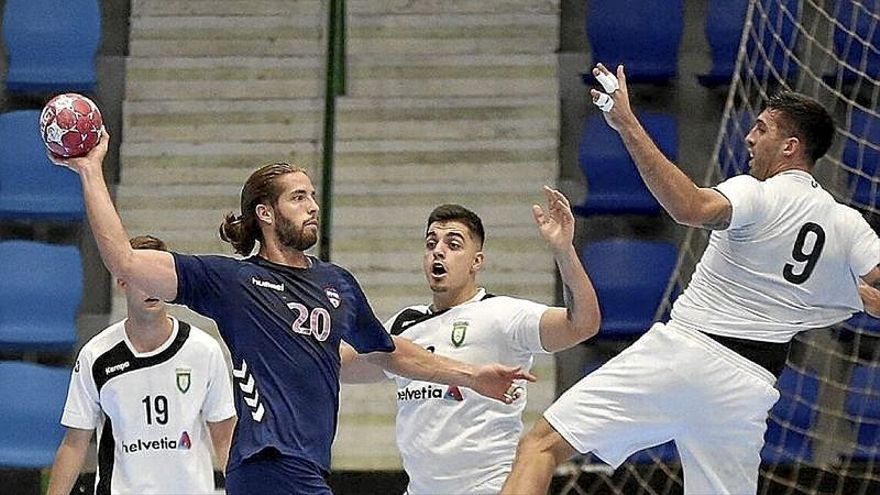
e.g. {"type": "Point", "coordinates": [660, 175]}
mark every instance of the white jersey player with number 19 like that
{"type": "Point", "coordinates": [151, 409]}
{"type": "Point", "coordinates": [157, 391]}
{"type": "Point", "coordinates": [783, 257]}
{"type": "Point", "coordinates": [453, 441]}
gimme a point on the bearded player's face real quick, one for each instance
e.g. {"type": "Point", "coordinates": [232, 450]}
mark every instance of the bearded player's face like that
{"type": "Point", "coordinates": [296, 212]}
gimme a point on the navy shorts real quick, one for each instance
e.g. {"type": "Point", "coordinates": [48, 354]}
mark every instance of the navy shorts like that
{"type": "Point", "coordinates": [271, 472]}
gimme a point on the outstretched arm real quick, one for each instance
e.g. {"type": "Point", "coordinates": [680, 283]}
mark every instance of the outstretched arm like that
{"type": "Point", "coordinates": [492, 380]}
{"type": "Point", "coordinates": [146, 269]}
{"type": "Point", "coordinates": [356, 368]}
{"type": "Point", "coordinates": [685, 202]}
{"type": "Point", "coordinates": [579, 320]}
{"type": "Point", "coordinates": [69, 461]}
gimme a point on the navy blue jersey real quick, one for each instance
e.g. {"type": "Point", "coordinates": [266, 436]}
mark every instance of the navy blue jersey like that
{"type": "Point", "coordinates": [282, 326]}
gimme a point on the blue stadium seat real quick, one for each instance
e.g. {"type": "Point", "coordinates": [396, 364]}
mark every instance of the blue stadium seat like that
{"type": "Point", "coordinates": [32, 188]}
{"type": "Point", "coordinates": [862, 154]}
{"type": "Point", "coordinates": [613, 183]}
{"type": "Point", "coordinates": [630, 277]}
{"type": "Point", "coordinates": [862, 51]}
{"type": "Point", "coordinates": [33, 400]}
{"type": "Point", "coordinates": [40, 295]}
{"type": "Point", "coordinates": [725, 20]}
{"type": "Point", "coordinates": [763, 45]}
{"type": "Point", "coordinates": [619, 34]}
{"type": "Point", "coordinates": [51, 45]}
{"type": "Point", "coordinates": [724, 24]}
{"type": "Point", "coordinates": [786, 440]}
{"type": "Point", "coordinates": [863, 405]}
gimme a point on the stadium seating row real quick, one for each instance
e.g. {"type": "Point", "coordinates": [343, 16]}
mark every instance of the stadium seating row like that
{"type": "Point", "coordinates": [51, 45]}
{"type": "Point", "coordinates": [39, 299]}
{"type": "Point", "coordinates": [650, 49]}
{"type": "Point", "coordinates": [51, 48]}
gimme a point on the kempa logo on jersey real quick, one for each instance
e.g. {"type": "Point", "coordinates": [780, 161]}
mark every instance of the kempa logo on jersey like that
{"type": "Point", "coordinates": [430, 392]}
{"type": "Point", "coordinates": [165, 443]}
{"type": "Point", "coordinates": [116, 368]}
{"type": "Point", "coordinates": [268, 285]}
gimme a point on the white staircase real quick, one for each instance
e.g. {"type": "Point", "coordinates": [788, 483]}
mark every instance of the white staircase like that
{"type": "Point", "coordinates": [447, 101]}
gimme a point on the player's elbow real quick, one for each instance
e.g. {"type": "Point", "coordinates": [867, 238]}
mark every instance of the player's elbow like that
{"type": "Point", "coordinates": [587, 327]}
{"type": "Point", "coordinates": [690, 215]}
{"type": "Point", "coordinates": [588, 322]}
{"type": "Point", "coordinates": [686, 218]}
{"type": "Point", "coordinates": [122, 263]}
{"type": "Point", "coordinates": [700, 207]}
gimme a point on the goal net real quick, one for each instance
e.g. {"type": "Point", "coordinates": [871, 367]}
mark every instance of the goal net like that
{"type": "Point", "coordinates": [824, 434]}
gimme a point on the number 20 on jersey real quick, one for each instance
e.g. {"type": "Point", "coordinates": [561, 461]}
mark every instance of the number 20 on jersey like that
{"type": "Point", "coordinates": [315, 322]}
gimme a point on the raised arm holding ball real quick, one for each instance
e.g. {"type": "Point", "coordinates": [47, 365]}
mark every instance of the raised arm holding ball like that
{"type": "Point", "coordinates": [283, 315]}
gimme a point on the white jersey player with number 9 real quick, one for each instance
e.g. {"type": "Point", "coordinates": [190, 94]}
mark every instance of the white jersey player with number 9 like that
{"type": "Point", "coordinates": [783, 257]}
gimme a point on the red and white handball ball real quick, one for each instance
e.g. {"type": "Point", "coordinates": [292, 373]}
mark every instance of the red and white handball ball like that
{"type": "Point", "coordinates": [71, 125]}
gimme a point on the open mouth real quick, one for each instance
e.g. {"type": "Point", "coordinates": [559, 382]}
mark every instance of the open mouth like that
{"type": "Point", "coordinates": [151, 300]}
{"type": "Point", "coordinates": [437, 269]}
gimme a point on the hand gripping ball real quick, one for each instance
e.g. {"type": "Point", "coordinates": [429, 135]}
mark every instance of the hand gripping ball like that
{"type": "Point", "coordinates": [71, 125]}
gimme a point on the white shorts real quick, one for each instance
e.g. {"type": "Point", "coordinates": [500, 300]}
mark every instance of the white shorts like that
{"type": "Point", "coordinates": [674, 384]}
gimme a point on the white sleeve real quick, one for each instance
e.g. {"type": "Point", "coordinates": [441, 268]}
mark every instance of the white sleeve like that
{"type": "Point", "coordinates": [524, 325]}
{"type": "Point", "coordinates": [744, 194]}
{"type": "Point", "coordinates": [218, 401]}
{"type": "Point", "coordinates": [865, 254]}
{"type": "Point", "coordinates": [82, 409]}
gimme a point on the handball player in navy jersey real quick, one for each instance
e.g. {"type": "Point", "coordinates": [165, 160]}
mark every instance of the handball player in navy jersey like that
{"type": "Point", "coordinates": [283, 314]}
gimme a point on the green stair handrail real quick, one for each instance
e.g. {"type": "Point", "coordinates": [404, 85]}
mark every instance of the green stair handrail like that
{"type": "Point", "coordinates": [335, 86]}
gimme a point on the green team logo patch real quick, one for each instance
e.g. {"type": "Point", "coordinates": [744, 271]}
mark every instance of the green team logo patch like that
{"type": "Point", "coordinates": [183, 379]}
{"type": "Point", "coordinates": [459, 330]}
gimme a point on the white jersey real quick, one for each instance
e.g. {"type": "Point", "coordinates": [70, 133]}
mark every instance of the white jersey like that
{"type": "Point", "coordinates": [150, 409]}
{"type": "Point", "coordinates": [788, 262]}
{"type": "Point", "coordinates": [454, 440]}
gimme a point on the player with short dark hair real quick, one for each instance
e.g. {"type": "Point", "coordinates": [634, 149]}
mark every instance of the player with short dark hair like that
{"type": "Point", "coordinates": [283, 315]}
{"type": "Point", "coordinates": [453, 441]}
{"type": "Point", "coordinates": [157, 390]}
{"type": "Point", "coordinates": [783, 257]}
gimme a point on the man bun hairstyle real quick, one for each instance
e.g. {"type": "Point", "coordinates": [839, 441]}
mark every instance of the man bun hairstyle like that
{"type": "Point", "coordinates": [458, 213]}
{"type": "Point", "coordinates": [243, 230]}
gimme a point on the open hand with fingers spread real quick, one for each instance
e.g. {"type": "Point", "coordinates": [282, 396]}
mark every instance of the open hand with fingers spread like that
{"type": "Point", "coordinates": [613, 100]}
{"type": "Point", "coordinates": [556, 223]}
{"type": "Point", "coordinates": [499, 382]}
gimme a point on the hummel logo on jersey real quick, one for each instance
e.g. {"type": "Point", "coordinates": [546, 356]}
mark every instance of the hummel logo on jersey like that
{"type": "Point", "coordinates": [250, 394]}
{"type": "Point", "coordinates": [116, 368]}
{"type": "Point", "coordinates": [268, 285]}
{"type": "Point", "coordinates": [165, 443]}
{"type": "Point", "coordinates": [429, 392]}
{"type": "Point", "coordinates": [332, 296]}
